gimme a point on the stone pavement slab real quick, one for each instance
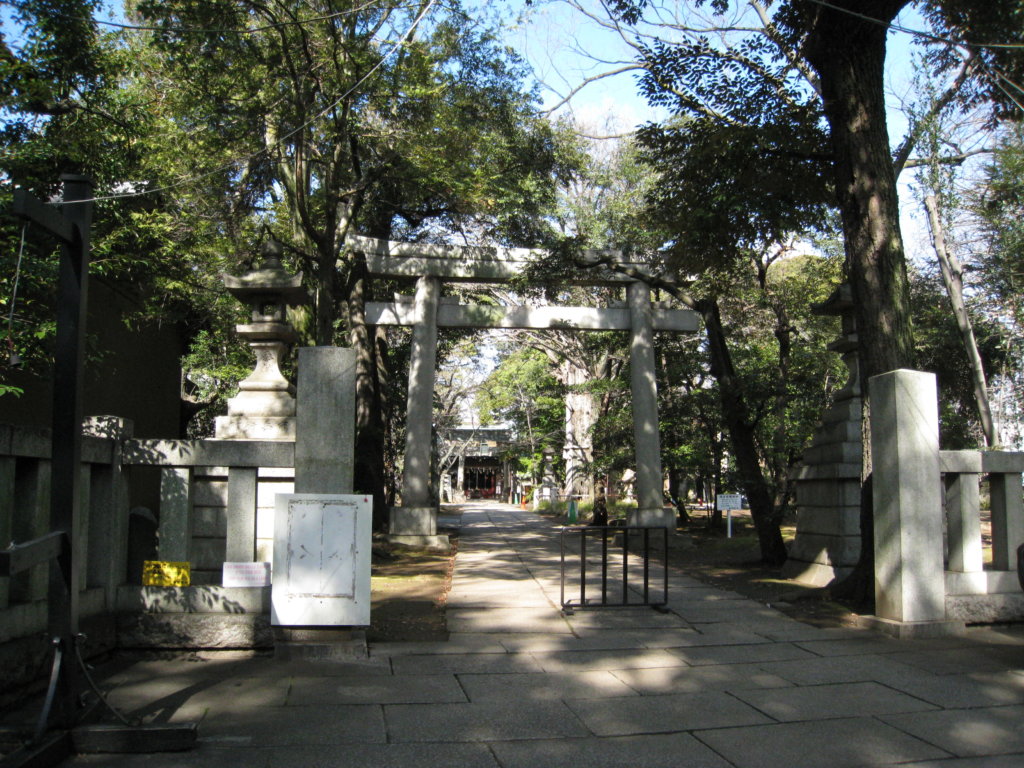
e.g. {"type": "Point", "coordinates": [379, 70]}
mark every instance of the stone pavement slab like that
{"type": "Point", "coordinates": [990, 761]}
{"type": "Point", "coordinates": [508, 620]}
{"type": "Point", "coordinates": [650, 751]}
{"type": "Point", "coordinates": [850, 743]}
{"type": "Point", "coordinates": [967, 732]}
{"type": "Point", "coordinates": [406, 689]}
{"type": "Point", "coordinates": [740, 654]}
{"type": "Point", "coordinates": [639, 658]}
{"type": "Point", "coordinates": [722, 677]}
{"type": "Point", "coordinates": [845, 669]}
{"type": "Point", "coordinates": [665, 714]}
{"type": "Point", "coordinates": [984, 689]}
{"type": "Point", "coordinates": [527, 688]}
{"type": "Point", "coordinates": [811, 702]}
{"type": "Point", "coordinates": [322, 724]}
{"type": "Point", "coordinates": [481, 721]}
{"type": "Point", "coordinates": [385, 756]}
{"type": "Point", "coordinates": [492, 663]}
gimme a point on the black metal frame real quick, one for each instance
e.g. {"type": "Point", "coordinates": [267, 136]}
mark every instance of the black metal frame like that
{"type": "Point", "coordinates": [604, 532]}
{"type": "Point", "coordinates": [60, 725]}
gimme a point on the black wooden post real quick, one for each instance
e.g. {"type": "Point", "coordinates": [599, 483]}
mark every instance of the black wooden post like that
{"type": "Point", "coordinates": [63, 705]}
{"type": "Point", "coordinates": [71, 228]}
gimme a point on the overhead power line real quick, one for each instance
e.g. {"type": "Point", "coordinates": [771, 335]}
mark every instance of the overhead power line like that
{"type": "Point", "coordinates": [909, 30]}
{"type": "Point", "coordinates": [202, 30]}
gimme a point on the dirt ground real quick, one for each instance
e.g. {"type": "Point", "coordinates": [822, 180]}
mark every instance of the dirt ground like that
{"type": "Point", "coordinates": [734, 564]}
{"type": "Point", "coordinates": [409, 588]}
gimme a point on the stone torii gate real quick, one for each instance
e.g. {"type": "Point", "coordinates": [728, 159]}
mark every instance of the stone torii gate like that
{"type": "Point", "coordinates": [416, 520]}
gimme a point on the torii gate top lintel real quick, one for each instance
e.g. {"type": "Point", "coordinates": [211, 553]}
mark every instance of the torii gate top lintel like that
{"type": "Point", "coordinates": [473, 264]}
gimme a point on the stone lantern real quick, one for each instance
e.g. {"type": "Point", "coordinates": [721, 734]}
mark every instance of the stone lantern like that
{"type": "Point", "coordinates": [264, 408]}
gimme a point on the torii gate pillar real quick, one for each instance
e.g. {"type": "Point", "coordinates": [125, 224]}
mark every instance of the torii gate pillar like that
{"type": "Point", "coordinates": [417, 517]}
{"type": "Point", "coordinates": [650, 511]}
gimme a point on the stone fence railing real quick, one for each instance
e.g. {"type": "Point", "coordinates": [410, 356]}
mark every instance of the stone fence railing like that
{"type": "Point", "coordinates": [930, 576]}
{"type": "Point", "coordinates": [215, 504]}
{"type": "Point", "coordinates": [974, 592]}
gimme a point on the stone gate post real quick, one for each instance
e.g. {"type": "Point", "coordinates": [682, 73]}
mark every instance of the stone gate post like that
{"type": "Point", "coordinates": [417, 517]}
{"type": "Point", "coordinates": [650, 502]}
{"type": "Point", "coordinates": [907, 494]}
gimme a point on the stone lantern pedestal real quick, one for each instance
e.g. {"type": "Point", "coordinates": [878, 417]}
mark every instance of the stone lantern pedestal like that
{"type": "Point", "coordinates": [264, 408]}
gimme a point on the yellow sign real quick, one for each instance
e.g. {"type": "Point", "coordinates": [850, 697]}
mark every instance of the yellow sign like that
{"type": "Point", "coordinates": [159, 573]}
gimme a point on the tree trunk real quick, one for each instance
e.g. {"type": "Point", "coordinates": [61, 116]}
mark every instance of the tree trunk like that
{"type": "Point", "coordinates": [952, 276]}
{"type": "Point", "coordinates": [734, 410]}
{"type": "Point", "coordinates": [848, 53]}
{"type": "Point", "coordinates": [368, 472]}
{"type": "Point", "coordinates": [578, 451]}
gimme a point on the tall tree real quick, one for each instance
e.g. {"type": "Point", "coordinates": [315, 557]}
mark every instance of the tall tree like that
{"type": "Point", "coordinates": [73, 102]}
{"type": "Point", "coordinates": [828, 58]}
{"type": "Point", "coordinates": [384, 118]}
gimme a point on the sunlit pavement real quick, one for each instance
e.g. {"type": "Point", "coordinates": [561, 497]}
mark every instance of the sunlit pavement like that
{"type": "Point", "coordinates": [717, 680]}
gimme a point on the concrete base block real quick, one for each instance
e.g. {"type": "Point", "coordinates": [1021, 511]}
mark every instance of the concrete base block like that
{"type": "Point", "coordinates": [195, 599]}
{"type": "Point", "coordinates": [194, 631]}
{"type": "Point", "coordinates": [985, 609]}
{"type": "Point", "coordinates": [439, 542]}
{"type": "Point", "coordinates": [913, 630]}
{"type": "Point", "coordinates": [658, 517]}
{"type": "Point", "coordinates": [339, 647]}
{"type": "Point", "coordinates": [413, 521]}
{"type": "Point", "coordinates": [255, 427]}
{"type": "Point", "coordinates": [813, 574]}
{"type": "Point", "coordinates": [835, 551]}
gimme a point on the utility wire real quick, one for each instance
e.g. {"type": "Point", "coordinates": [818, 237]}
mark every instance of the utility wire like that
{"type": "Point", "coordinates": [909, 31]}
{"type": "Point", "coordinates": [199, 30]}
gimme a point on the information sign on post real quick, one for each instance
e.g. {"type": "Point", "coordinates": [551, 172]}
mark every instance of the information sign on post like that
{"type": "Point", "coordinates": [727, 502]}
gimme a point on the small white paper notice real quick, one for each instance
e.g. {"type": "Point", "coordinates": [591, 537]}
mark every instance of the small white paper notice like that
{"type": "Point", "coordinates": [246, 575]}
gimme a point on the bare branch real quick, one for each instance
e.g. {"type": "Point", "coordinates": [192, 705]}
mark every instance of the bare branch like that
{"type": "Point", "coordinates": [918, 127]}
{"type": "Point", "coordinates": [589, 81]}
{"type": "Point", "coordinates": [957, 159]}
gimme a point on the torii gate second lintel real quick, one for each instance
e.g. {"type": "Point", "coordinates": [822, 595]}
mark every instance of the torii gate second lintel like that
{"type": "Point", "coordinates": [416, 519]}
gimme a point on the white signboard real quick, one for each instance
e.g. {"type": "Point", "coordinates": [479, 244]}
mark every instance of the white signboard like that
{"type": "Point", "coordinates": [321, 560]}
{"type": "Point", "coordinates": [246, 575]}
{"type": "Point", "coordinates": [730, 501]}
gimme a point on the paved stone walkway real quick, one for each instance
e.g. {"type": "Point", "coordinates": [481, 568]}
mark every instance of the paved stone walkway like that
{"type": "Point", "coordinates": [717, 681]}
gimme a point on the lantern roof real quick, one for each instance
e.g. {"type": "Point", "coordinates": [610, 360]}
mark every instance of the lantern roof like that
{"type": "Point", "coordinates": [268, 280]}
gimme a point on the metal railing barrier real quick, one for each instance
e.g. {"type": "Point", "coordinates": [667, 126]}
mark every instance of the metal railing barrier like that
{"type": "Point", "coordinates": [606, 575]}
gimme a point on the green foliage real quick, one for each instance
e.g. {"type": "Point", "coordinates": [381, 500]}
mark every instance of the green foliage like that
{"type": "Point", "coordinates": [211, 371]}
{"type": "Point", "coordinates": [998, 205]}
{"type": "Point", "coordinates": [940, 350]}
{"type": "Point", "coordinates": [522, 392]}
{"type": "Point", "coordinates": [724, 189]}
{"type": "Point", "coordinates": [989, 31]}
{"type": "Point", "coordinates": [781, 365]}
{"type": "Point", "coordinates": [390, 120]}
